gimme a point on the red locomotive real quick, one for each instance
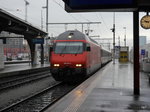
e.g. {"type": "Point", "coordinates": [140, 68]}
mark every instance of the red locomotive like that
{"type": "Point", "coordinates": [74, 56]}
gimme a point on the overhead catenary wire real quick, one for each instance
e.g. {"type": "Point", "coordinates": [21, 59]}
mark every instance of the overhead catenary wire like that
{"type": "Point", "coordinates": [85, 18]}
{"type": "Point", "coordinates": [103, 21]}
{"type": "Point", "coordinates": [63, 9]}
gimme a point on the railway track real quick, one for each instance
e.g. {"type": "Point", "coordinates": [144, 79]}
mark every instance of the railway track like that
{"type": "Point", "coordinates": [42, 100]}
{"type": "Point", "coordinates": [9, 82]}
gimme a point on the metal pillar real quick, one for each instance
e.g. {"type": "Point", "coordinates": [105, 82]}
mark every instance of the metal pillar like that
{"type": "Point", "coordinates": [46, 15]}
{"type": "Point", "coordinates": [113, 30]}
{"type": "Point", "coordinates": [42, 54]}
{"type": "Point", "coordinates": [26, 6]}
{"type": "Point", "coordinates": [136, 53]}
{"type": "Point", "coordinates": [32, 49]}
{"type": "Point", "coordinates": [82, 29]}
{"type": "Point", "coordinates": [41, 20]}
{"type": "Point", "coordinates": [66, 26]}
{"type": "Point", "coordinates": [32, 54]}
{"type": "Point", "coordinates": [119, 41]}
{"type": "Point", "coordinates": [124, 36]}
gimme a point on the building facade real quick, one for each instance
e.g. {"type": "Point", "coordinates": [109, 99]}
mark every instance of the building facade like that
{"type": "Point", "coordinates": [14, 46]}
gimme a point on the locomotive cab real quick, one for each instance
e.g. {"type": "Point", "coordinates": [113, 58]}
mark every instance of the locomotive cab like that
{"type": "Point", "coordinates": [68, 59]}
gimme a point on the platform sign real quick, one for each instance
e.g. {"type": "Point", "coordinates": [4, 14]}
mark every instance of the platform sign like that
{"type": "Point", "coordinates": [117, 47]}
{"type": "Point", "coordinates": [142, 51]}
{"type": "Point", "coordinates": [87, 5]}
{"type": "Point", "coordinates": [38, 41]}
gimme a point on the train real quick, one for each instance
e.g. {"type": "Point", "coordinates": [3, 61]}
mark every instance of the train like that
{"type": "Point", "coordinates": [74, 56]}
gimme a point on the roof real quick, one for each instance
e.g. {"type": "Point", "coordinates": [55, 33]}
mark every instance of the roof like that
{"type": "Point", "coordinates": [74, 35]}
{"type": "Point", "coordinates": [11, 23]}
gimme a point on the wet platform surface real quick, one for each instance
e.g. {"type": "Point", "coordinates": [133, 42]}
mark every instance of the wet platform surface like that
{"type": "Point", "coordinates": [12, 69]}
{"type": "Point", "coordinates": [109, 90]}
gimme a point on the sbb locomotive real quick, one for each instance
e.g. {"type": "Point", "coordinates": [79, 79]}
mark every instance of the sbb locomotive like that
{"type": "Point", "coordinates": [74, 56]}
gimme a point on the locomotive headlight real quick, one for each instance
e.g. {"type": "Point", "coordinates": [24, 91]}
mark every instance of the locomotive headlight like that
{"type": "Point", "coordinates": [69, 36]}
{"type": "Point", "coordinates": [78, 65]}
{"type": "Point", "coordinates": [56, 65]}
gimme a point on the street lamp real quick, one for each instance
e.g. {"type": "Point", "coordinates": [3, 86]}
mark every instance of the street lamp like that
{"type": "Point", "coordinates": [113, 30]}
{"type": "Point", "coordinates": [124, 36]}
{"type": "Point", "coordinates": [26, 5]}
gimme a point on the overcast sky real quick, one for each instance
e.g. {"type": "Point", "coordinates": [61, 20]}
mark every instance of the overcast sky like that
{"type": "Point", "coordinates": [58, 14]}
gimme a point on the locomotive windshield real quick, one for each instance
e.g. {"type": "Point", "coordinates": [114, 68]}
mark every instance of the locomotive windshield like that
{"type": "Point", "coordinates": [68, 48]}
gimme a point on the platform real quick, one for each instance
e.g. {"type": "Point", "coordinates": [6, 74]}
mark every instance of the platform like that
{"type": "Point", "coordinates": [109, 90]}
{"type": "Point", "coordinates": [13, 69]}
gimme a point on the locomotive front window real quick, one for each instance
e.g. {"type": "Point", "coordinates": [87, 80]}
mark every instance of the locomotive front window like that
{"type": "Point", "coordinates": [68, 48]}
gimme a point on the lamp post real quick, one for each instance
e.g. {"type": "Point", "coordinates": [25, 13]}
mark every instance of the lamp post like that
{"type": "Point", "coordinates": [41, 19]}
{"type": "Point", "coordinates": [119, 41]}
{"type": "Point", "coordinates": [124, 36]}
{"type": "Point", "coordinates": [26, 5]}
{"type": "Point", "coordinates": [46, 7]}
{"type": "Point", "coordinates": [113, 30]}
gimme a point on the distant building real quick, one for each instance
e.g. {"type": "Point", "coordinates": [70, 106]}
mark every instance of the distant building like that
{"type": "Point", "coordinates": [143, 40]}
{"type": "Point", "coordinates": [13, 47]}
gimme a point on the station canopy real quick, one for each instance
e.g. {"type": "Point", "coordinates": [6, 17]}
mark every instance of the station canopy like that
{"type": "Point", "coordinates": [106, 5]}
{"type": "Point", "coordinates": [13, 24]}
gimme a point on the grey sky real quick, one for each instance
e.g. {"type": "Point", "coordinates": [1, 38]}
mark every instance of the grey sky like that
{"type": "Point", "coordinates": [58, 14]}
